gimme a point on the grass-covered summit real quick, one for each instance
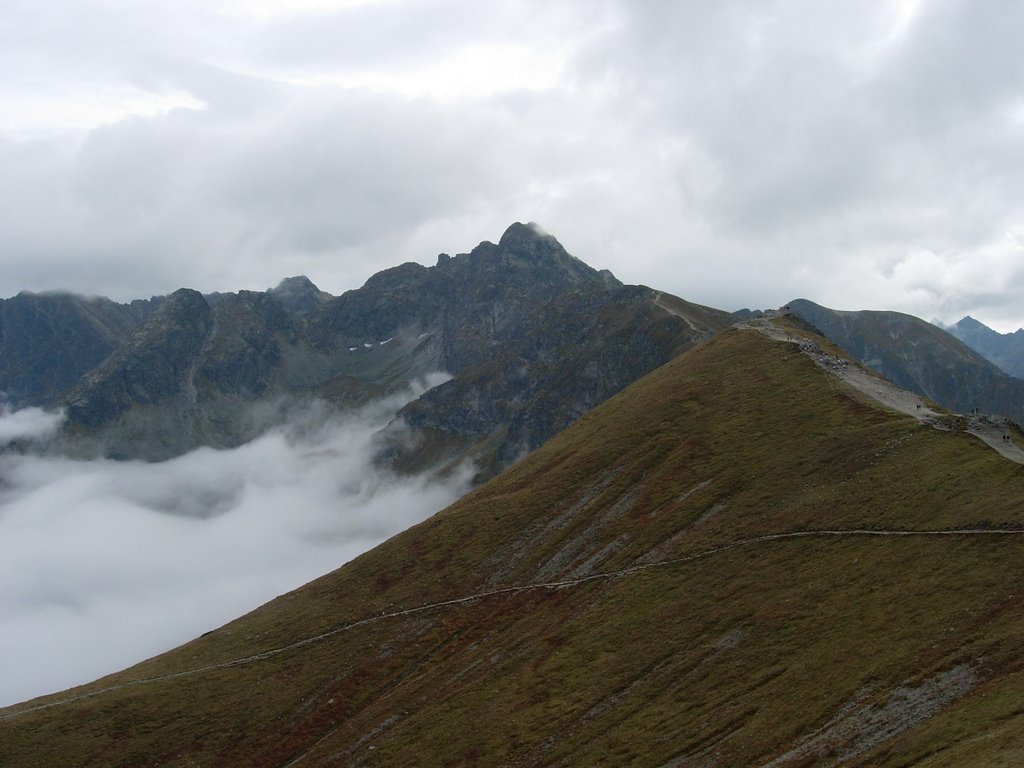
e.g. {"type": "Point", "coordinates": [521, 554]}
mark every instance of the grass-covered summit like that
{"type": "Point", "coordinates": [711, 568]}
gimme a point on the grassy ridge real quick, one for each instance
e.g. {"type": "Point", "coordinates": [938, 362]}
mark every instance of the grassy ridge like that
{"type": "Point", "coordinates": [787, 648]}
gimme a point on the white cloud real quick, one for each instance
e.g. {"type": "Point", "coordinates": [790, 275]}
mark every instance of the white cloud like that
{"type": "Point", "coordinates": [736, 153]}
{"type": "Point", "coordinates": [104, 563]}
{"type": "Point", "coordinates": [472, 72]}
{"type": "Point", "coordinates": [270, 9]}
{"type": "Point", "coordinates": [27, 423]}
{"type": "Point", "coordinates": [37, 115]}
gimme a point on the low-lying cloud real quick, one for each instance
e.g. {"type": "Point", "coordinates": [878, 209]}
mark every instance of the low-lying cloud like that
{"type": "Point", "coordinates": [106, 563]}
{"type": "Point", "coordinates": [28, 423]}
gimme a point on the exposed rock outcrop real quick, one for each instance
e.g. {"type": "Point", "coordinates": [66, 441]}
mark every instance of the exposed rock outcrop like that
{"type": "Point", "coordinates": [532, 336]}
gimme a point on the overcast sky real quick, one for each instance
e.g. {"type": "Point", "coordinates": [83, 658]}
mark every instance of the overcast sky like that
{"type": "Point", "coordinates": [861, 154]}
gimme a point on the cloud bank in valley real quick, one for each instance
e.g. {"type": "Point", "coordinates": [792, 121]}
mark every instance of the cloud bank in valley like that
{"type": "Point", "coordinates": [27, 423]}
{"type": "Point", "coordinates": [106, 563]}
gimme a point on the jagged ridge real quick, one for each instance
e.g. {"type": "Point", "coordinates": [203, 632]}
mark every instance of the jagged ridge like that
{"type": "Point", "coordinates": [533, 336]}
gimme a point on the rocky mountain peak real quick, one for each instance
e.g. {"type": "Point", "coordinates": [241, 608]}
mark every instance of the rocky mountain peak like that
{"type": "Point", "coordinates": [298, 294]}
{"type": "Point", "coordinates": [528, 239]}
{"type": "Point", "coordinates": [294, 285]}
{"type": "Point", "coordinates": [969, 323]}
{"type": "Point", "coordinates": [529, 243]}
{"type": "Point", "coordinates": [402, 276]}
{"type": "Point", "coordinates": [151, 368]}
{"type": "Point", "coordinates": [526, 253]}
{"type": "Point", "coordinates": [185, 299]}
{"type": "Point", "coordinates": [48, 341]}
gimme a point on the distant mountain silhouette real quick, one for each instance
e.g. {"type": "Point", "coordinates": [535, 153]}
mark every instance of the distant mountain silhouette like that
{"type": "Point", "coordinates": [1005, 350]}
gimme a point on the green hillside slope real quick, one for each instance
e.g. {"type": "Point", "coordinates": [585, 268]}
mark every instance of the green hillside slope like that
{"type": "Point", "coordinates": [704, 570]}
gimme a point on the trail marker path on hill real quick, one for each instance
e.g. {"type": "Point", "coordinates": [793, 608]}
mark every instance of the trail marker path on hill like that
{"type": "Point", "coordinates": [989, 429]}
{"type": "Point", "coordinates": [512, 590]}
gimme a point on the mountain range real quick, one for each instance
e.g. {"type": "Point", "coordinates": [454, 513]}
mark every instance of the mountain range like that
{"type": "Point", "coordinates": [697, 538]}
{"type": "Point", "coordinates": [531, 336]}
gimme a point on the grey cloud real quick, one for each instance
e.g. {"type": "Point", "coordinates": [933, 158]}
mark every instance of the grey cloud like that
{"type": "Point", "coordinates": [802, 148]}
{"type": "Point", "coordinates": [958, 64]}
{"type": "Point", "coordinates": [96, 40]}
{"type": "Point", "coordinates": [372, 36]}
{"type": "Point", "coordinates": [194, 198]}
{"type": "Point", "coordinates": [827, 138]}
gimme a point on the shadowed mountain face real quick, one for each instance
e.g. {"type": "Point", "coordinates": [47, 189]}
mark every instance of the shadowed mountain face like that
{"type": "Point", "coordinates": [735, 561]}
{"type": "Point", "coordinates": [532, 336]}
{"type": "Point", "coordinates": [574, 353]}
{"type": "Point", "coordinates": [49, 341]}
{"type": "Point", "coordinates": [1005, 350]}
{"type": "Point", "coordinates": [918, 356]}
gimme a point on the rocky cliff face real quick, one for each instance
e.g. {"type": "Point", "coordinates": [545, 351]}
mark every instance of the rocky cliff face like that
{"type": "Point", "coordinates": [213, 370]}
{"type": "Point", "coordinates": [149, 381]}
{"type": "Point", "coordinates": [532, 336]}
{"type": "Point", "coordinates": [576, 351]}
{"type": "Point", "coordinates": [49, 341]}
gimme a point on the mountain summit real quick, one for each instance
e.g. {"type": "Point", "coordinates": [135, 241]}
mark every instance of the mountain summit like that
{"type": "Point", "coordinates": [298, 295]}
{"type": "Point", "coordinates": [530, 245]}
{"type": "Point", "coordinates": [1005, 350]}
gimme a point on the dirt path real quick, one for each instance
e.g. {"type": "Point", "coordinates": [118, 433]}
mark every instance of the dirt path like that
{"type": "Point", "coordinates": [545, 585]}
{"type": "Point", "coordinates": [989, 429]}
{"type": "Point", "coordinates": [993, 432]}
{"type": "Point", "coordinates": [664, 303]}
